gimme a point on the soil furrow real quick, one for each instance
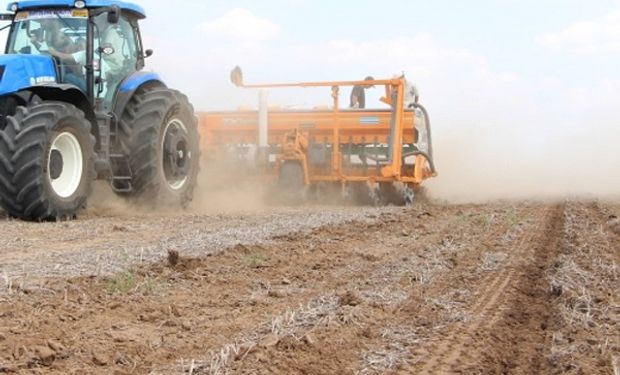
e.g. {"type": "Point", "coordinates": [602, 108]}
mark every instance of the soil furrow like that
{"type": "Point", "coordinates": [447, 354]}
{"type": "Point", "coordinates": [585, 279]}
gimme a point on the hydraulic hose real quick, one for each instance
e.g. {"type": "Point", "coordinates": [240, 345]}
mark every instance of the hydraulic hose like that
{"type": "Point", "coordinates": [427, 123]}
{"type": "Point", "coordinates": [428, 158]}
{"type": "Point", "coordinates": [412, 153]}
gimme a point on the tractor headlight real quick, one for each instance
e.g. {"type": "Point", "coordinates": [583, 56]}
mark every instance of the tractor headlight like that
{"type": "Point", "coordinates": [14, 7]}
{"type": "Point", "coordinates": [79, 4]}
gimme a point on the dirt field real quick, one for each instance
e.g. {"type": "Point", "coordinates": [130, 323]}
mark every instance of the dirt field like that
{"type": "Point", "coordinates": [506, 288]}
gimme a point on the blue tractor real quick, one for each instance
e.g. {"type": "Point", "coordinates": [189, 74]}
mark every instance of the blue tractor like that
{"type": "Point", "coordinates": [76, 105]}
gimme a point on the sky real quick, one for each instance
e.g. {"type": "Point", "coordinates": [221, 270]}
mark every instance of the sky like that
{"type": "Point", "coordinates": [525, 91]}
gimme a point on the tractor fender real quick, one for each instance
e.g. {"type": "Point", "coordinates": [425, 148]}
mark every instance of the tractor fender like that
{"type": "Point", "coordinates": [131, 84]}
{"type": "Point", "coordinates": [69, 94]}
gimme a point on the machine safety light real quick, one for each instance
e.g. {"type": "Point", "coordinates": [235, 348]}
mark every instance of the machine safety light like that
{"type": "Point", "coordinates": [14, 7]}
{"type": "Point", "coordinates": [80, 4]}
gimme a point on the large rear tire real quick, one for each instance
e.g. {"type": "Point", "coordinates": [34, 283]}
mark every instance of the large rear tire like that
{"type": "Point", "coordinates": [159, 135]}
{"type": "Point", "coordinates": [47, 162]}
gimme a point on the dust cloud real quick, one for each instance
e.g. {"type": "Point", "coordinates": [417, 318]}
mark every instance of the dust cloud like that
{"type": "Point", "coordinates": [103, 202]}
{"type": "Point", "coordinates": [500, 157]}
{"type": "Point", "coordinates": [481, 164]}
{"type": "Point", "coordinates": [227, 189]}
{"type": "Point", "coordinates": [221, 188]}
{"type": "Point", "coordinates": [476, 164]}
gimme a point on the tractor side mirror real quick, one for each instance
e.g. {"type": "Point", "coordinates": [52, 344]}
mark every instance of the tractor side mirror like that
{"type": "Point", "coordinates": [106, 50]}
{"type": "Point", "coordinates": [114, 14]}
{"type": "Point", "coordinates": [148, 53]}
{"type": "Point", "coordinates": [236, 76]}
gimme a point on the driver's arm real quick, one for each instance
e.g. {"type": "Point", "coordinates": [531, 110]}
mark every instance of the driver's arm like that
{"type": "Point", "coordinates": [62, 56]}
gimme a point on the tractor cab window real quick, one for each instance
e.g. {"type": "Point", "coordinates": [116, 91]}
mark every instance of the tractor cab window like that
{"type": "Point", "coordinates": [116, 50]}
{"type": "Point", "coordinates": [58, 33]}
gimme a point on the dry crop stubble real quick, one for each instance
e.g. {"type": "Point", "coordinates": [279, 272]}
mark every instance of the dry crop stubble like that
{"type": "Point", "coordinates": [324, 300]}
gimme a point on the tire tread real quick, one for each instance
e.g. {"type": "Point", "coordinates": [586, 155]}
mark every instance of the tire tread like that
{"type": "Point", "coordinates": [22, 149]}
{"type": "Point", "coordinates": [139, 129]}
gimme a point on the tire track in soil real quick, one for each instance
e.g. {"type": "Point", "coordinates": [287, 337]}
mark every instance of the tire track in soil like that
{"type": "Point", "coordinates": [452, 349]}
{"type": "Point", "coordinates": [461, 350]}
{"type": "Point", "coordinates": [485, 312]}
{"type": "Point", "coordinates": [413, 325]}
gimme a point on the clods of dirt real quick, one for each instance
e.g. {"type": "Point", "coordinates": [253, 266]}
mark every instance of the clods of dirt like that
{"type": "Point", "coordinates": [614, 224]}
{"type": "Point", "coordinates": [350, 298]}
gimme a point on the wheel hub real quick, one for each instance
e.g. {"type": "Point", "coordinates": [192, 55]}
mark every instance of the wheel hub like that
{"type": "Point", "coordinates": [176, 155]}
{"type": "Point", "coordinates": [56, 164]}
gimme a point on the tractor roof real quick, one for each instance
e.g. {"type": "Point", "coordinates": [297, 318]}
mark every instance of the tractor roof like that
{"type": "Point", "coordinates": [33, 4]}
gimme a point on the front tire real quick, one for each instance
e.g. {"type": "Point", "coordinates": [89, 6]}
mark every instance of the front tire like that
{"type": "Point", "coordinates": [47, 162]}
{"type": "Point", "coordinates": [160, 138]}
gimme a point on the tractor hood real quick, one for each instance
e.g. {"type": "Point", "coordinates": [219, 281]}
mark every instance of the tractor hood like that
{"type": "Point", "coordinates": [18, 72]}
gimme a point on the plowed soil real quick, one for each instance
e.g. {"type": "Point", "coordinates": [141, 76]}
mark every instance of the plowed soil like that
{"type": "Point", "coordinates": [505, 288]}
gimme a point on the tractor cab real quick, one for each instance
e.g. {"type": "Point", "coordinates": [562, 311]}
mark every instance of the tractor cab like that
{"type": "Point", "coordinates": [75, 105]}
{"type": "Point", "coordinates": [91, 48]}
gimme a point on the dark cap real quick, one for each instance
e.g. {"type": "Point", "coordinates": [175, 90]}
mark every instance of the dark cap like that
{"type": "Point", "coordinates": [369, 78]}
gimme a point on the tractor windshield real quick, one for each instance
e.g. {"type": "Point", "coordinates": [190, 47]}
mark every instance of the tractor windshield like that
{"type": "Point", "coordinates": [63, 35]}
{"type": "Point", "coordinates": [35, 32]}
{"type": "Point", "coordinates": [58, 33]}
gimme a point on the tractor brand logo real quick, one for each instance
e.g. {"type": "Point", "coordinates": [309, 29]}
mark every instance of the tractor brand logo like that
{"type": "Point", "coordinates": [42, 80]}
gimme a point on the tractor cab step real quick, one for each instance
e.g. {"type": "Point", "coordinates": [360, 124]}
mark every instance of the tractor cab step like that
{"type": "Point", "coordinates": [121, 184]}
{"type": "Point", "coordinates": [121, 177]}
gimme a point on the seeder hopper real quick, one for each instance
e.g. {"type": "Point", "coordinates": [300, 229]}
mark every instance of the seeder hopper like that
{"type": "Point", "coordinates": [376, 156]}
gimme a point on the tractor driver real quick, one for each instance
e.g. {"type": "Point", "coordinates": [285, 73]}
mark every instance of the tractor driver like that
{"type": "Point", "coordinates": [76, 58]}
{"type": "Point", "coordinates": [107, 50]}
{"type": "Point", "coordinates": [55, 38]}
{"type": "Point", "coordinates": [48, 34]}
{"type": "Point", "coordinates": [52, 40]}
{"type": "Point", "coordinates": [109, 62]}
{"type": "Point", "coordinates": [37, 41]}
{"type": "Point", "coordinates": [111, 50]}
